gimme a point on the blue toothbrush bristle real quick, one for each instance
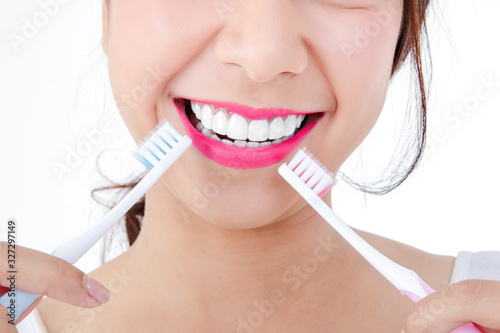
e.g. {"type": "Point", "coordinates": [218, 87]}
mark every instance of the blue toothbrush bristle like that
{"type": "Point", "coordinates": [160, 141]}
{"type": "Point", "coordinates": [144, 161]}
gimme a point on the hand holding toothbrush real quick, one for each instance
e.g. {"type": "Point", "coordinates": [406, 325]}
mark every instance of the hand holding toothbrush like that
{"type": "Point", "coordinates": [43, 274]}
{"type": "Point", "coordinates": [158, 152]}
{"type": "Point", "coordinates": [474, 301]}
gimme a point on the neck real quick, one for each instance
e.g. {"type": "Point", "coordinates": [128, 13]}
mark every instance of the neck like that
{"type": "Point", "coordinates": [220, 272]}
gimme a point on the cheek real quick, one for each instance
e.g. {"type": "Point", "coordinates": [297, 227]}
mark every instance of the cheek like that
{"type": "Point", "coordinates": [149, 42]}
{"type": "Point", "coordinates": [356, 49]}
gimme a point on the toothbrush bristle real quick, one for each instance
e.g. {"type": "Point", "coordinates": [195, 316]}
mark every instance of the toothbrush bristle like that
{"type": "Point", "coordinates": [312, 172]}
{"type": "Point", "coordinates": [157, 144]}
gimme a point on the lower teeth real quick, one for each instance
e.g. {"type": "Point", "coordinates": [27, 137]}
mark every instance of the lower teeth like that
{"type": "Point", "coordinates": [238, 143]}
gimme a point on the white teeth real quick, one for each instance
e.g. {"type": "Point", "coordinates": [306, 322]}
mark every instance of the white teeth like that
{"type": "Point", "coordinates": [206, 116]}
{"type": "Point", "coordinates": [299, 120]}
{"type": "Point", "coordinates": [239, 143]}
{"type": "Point", "coordinates": [245, 132]}
{"type": "Point", "coordinates": [258, 130]}
{"type": "Point", "coordinates": [237, 128]}
{"type": "Point", "coordinates": [196, 109]}
{"type": "Point", "coordinates": [199, 126]}
{"type": "Point", "coordinates": [219, 123]}
{"type": "Point", "coordinates": [276, 128]}
{"type": "Point", "coordinates": [290, 125]}
{"type": "Point", "coordinates": [206, 132]}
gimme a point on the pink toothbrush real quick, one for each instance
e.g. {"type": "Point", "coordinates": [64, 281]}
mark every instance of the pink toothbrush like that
{"type": "Point", "coordinates": [312, 181]}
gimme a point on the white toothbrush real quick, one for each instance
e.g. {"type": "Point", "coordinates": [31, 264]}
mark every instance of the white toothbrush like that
{"type": "Point", "coordinates": [158, 152]}
{"type": "Point", "coordinates": [312, 181]}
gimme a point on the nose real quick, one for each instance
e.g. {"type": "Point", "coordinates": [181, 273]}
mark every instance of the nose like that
{"type": "Point", "coordinates": [264, 38]}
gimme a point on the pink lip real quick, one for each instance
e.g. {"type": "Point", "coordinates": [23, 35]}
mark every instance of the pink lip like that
{"type": "Point", "coordinates": [251, 113]}
{"type": "Point", "coordinates": [242, 157]}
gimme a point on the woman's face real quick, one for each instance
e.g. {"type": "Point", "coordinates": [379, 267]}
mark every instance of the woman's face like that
{"type": "Point", "coordinates": [277, 60]}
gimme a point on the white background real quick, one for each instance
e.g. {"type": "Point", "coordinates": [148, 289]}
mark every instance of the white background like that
{"type": "Point", "coordinates": [54, 88]}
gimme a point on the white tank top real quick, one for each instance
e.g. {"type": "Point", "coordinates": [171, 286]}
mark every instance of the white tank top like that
{"type": "Point", "coordinates": [476, 265]}
{"type": "Point", "coordinates": [468, 265]}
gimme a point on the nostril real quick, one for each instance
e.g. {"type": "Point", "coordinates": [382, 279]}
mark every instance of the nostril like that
{"type": "Point", "coordinates": [264, 50]}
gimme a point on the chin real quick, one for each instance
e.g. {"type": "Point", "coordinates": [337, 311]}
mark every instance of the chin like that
{"type": "Point", "coordinates": [245, 210]}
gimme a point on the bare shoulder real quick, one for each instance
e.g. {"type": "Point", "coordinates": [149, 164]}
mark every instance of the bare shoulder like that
{"type": "Point", "coordinates": [436, 270]}
{"type": "Point", "coordinates": [59, 317]}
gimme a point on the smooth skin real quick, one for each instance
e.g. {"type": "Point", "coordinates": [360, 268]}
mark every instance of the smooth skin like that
{"type": "Point", "coordinates": [256, 255]}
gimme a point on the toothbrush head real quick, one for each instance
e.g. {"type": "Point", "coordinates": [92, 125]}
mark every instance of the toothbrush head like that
{"type": "Point", "coordinates": [157, 144]}
{"type": "Point", "coordinates": [311, 172]}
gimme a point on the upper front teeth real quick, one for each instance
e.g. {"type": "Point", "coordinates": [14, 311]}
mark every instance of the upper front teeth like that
{"type": "Point", "coordinates": [258, 130]}
{"type": "Point", "coordinates": [219, 123]}
{"type": "Point", "coordinates": [236, 127]}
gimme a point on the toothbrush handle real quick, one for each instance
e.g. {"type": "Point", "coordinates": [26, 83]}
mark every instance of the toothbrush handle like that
{"type": "Point", "coordinates": [22, 301]}
{"type": "Point", "coordinates": [467, 328]}
{"type": "Point", "coordinates": [19, 303]}
{"type": "Point", "coordinates": [74, 249]}
{"type": "Point", "coordinates": [402, 278]}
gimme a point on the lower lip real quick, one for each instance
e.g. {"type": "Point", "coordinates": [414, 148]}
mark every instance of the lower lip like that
{"type": "Point", "coordinates": [242, 157]}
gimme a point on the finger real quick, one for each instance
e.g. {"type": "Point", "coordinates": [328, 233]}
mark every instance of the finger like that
{"type": "Point", "coordinates": [5, 325]}
{"type": "Point", "coordinates": [475, 301]}
{"type": "Point", "coordinates": [43, 274]}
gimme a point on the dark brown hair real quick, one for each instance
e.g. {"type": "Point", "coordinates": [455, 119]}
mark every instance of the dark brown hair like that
{"type": "Point", "coordinates": [412, 38]}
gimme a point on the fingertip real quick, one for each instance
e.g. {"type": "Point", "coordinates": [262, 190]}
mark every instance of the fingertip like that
{"type": "Point", "coordinates": [96, 290]}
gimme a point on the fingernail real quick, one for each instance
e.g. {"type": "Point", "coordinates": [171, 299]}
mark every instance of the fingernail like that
{"type": "Point", "coordinates": [96, 290]}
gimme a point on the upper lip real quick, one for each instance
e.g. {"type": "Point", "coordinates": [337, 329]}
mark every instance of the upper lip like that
{"type": "Point", "coordinates": [252, 113]}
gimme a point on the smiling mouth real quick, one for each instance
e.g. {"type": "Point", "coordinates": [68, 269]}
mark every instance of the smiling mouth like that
{"type": "Point", "coordinates": [233, 129]}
